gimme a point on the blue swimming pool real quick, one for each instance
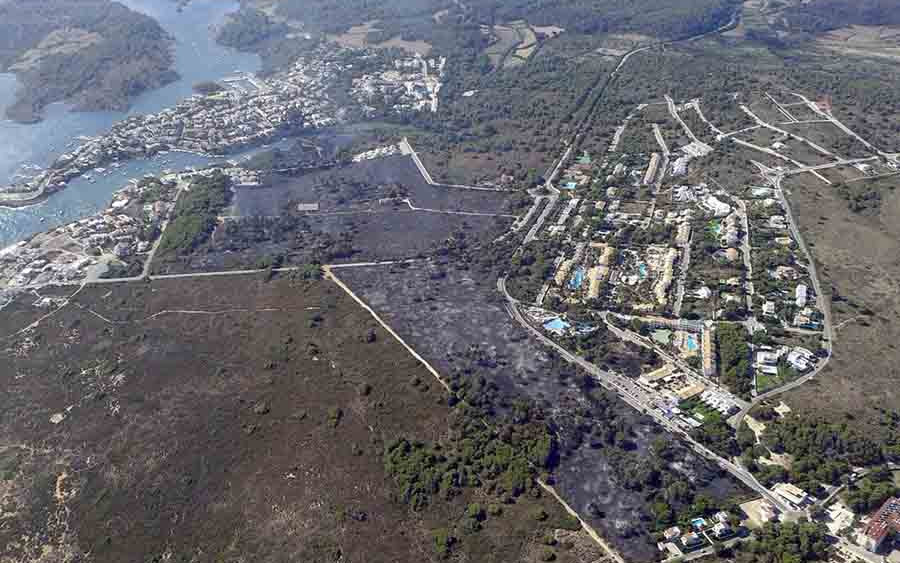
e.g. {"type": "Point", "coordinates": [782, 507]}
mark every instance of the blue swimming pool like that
{"type": "Point", "coordinates": [570, 185]}
{"type": "Point", "coordinates": [642, 271]}
{"type": "Point", "coordinates": [691, 342]}
{"type": "Point", "coordinates": [556, 325]}
{"type": "Point", "coordinates": [577, 278]}
{"type": "Point", "coordinates": [698, 523]}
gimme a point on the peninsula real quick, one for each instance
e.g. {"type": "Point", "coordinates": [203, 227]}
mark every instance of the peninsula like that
{"type": "Point", "coordinates": [95, 54]}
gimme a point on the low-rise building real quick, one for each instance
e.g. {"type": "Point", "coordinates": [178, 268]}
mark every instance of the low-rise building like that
{"type": "Point", "coordinates": [800, 295]}
{"type": "Point", "coordinates": [722, 530]}
{"type": "Point", "coordinates": [691, 540]}
{"type": "Point", "coordinates": [792, 493]}
{"type": "Point", "coordinates": [672, 533]}
{"type": "Point", "coordinates": [882, 524]}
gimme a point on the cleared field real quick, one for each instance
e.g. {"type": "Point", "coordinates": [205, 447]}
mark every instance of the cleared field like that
{"type": "Point", "coordinates": [864, 41]}
{"type": "Point", "coordinates": [527, 45]}
{"type": "Point", "coordinates": [507, 38]}
{"type": "Point", "coordinates": [357, 37]}
{"type": "Point", "coordinates": [857, 253]}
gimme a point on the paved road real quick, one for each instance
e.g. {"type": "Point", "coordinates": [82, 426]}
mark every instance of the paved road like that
{"type": "Point", "coordinates": [639, 340]}
{"type": "Point", "coordinates": [629, 392]}
{"type": "Point", "coordinates": [823, 304]}
{"type": "Point", "coordinates": [670, 103]}
{"type": "Point", "coordinates": [748, 261]}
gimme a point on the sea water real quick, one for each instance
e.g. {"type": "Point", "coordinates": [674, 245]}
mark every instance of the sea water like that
{"type": "Point", "coordinates": [22, 147]}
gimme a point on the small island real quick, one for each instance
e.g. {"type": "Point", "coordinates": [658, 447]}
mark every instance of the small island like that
{"type": "Point", "coordinates": [96, 55]}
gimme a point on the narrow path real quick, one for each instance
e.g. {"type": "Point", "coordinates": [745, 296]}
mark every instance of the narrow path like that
{"type": "Point", "coordinates": [329, 274]}
{"type": "Point", "coordinates": [584, 525]}
{"type": "Point", "coordinates": [407, 149]}
{"type": "Point", "coordinates": [37, 323]}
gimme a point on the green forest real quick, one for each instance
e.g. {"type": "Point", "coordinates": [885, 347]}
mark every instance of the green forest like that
{"type": "Point", "coordinates": [195, 214]}
{"type": "Point", "coordinates": [133, 54]}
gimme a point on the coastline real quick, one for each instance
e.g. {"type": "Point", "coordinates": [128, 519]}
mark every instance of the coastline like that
{"type": "Point", "coordinates": [36, 90]}
{"type": "Point", "coordinates": [44, 194]}
{"type": "Point", "coordinates": [25, 203]}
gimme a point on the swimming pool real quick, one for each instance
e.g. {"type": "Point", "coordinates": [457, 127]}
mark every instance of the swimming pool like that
{"type": "Point", "coordinates": [698, 523]}
{"type": "Point", "coordinates": [691, 343]}
{"type": "Point", "coordinates": [556, 325]}
{"type": "Point", "coordinates": [570, 185]}
{"type": "Point", "coordinates": [577, 278]}
{"type": "Point", "coordinates": [642, 271]}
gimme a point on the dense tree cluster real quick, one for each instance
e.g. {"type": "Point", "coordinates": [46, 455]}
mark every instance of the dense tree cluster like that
{"type": "Point", "coordinates": [786, 543]}
{"type": "Point", "coordinates": [870, 492]}
{"type": "Point", "coordinates": [734, 359]}
{"type": "Point", "coordinates": [505, 460]}
{"type": "Point", "coordinates": [823, 450]}
{"type": "Point", "coordinates": [409, 18]}
{"type": "Point", "coordinates": [195, 214]}
{"type": "Point", "coordinates": [247, 27]}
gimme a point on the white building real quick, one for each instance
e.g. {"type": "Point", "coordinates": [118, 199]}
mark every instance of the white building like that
{"type": "Point", "coordinates": [792, 493]}
{"type": "Point", "coordinates": [800, 295]}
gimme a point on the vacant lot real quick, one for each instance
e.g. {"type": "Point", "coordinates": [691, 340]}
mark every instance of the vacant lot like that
{"type": "Point", "coordinates": [357, 37]}
{"type": "Point", "coordinates": [227, 420]}
{"type": "Point", "coordinates": [829, 137]}
{"type": "Point", "coordinates": [858, 252]}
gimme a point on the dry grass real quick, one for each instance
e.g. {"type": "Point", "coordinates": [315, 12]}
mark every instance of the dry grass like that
{"type": "Point", "coordinates": [60, 42]}
{"type": "Point", "coordinates": [864, 41]}
{"type": "Point", "coordinates": [224, 438]}
{"type": "Point", "coordinates": [859, 263]}
{"type": "Point", "coordinates": [357, 37]}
